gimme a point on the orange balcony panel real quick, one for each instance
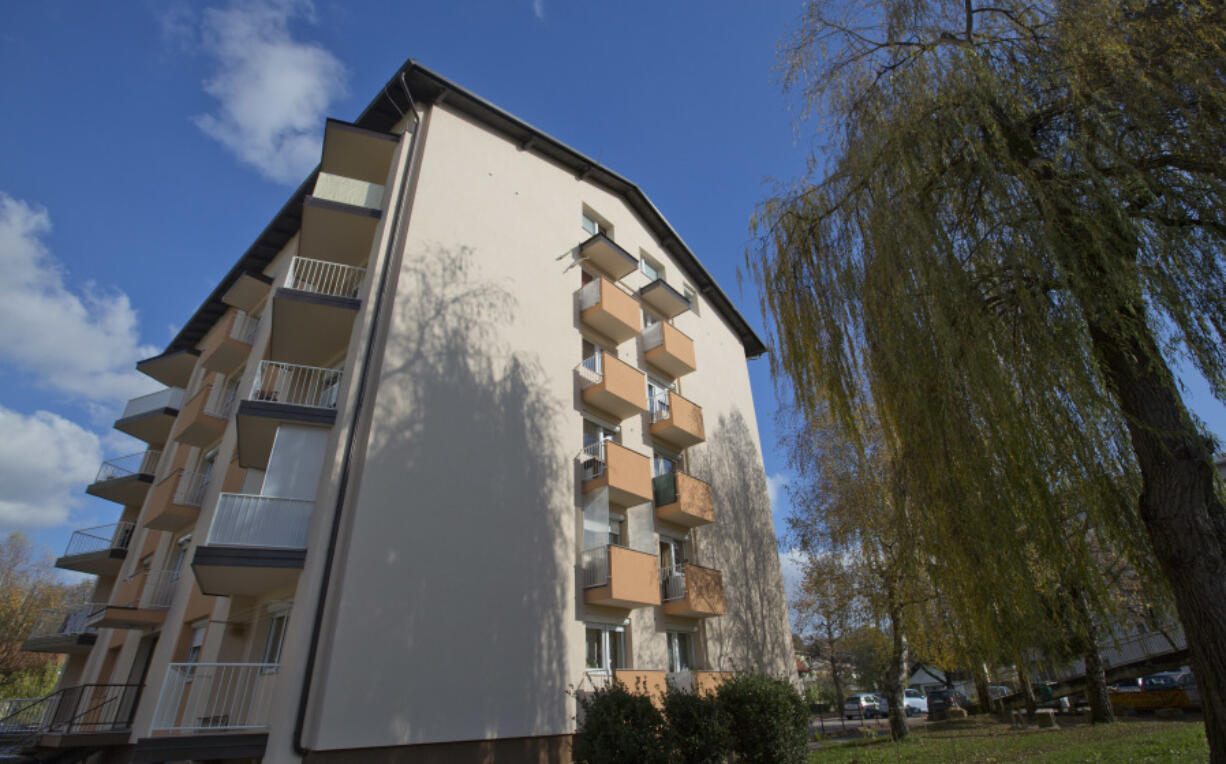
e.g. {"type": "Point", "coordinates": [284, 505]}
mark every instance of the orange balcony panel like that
{"type": "Point", "coordinates": [706, 682]}
{"type": "Point", "coordinates": [621, 391]}
{"type": "Point", "coordinates": [228, 344]}
{"type": "Point", "coordinates": [704, 594]}
{"type": "Point", "coordinates": [196, 426]}
{"type": "Point", "coordinates": [173, 504]}
{"type": "Point", "coordinates": [653, 684]}
{"type": "Point", "coordinates": [669, 349]}
{"type": "Point", "coordinates": [609, 310]}
{"type": "Point", "coordinates": [632, 580]}
{"type": "Point", "coordinates": [679, 423]}
{"type": "Point", "coordinates": [627, 475]}
{"type": "Point", "coordinates": [683, 499]}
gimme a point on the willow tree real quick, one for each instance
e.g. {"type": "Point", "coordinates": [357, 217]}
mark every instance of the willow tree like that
{"type": "Point", "coordinates": [1015, 227]}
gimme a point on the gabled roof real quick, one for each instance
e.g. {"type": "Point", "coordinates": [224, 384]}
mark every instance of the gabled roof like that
{"type": "Point", "coordinates": [383, 113]}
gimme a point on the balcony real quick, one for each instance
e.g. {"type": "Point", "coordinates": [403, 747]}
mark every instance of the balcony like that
{"type": "Point", "coordinates": [215, 697]}
{"type": "Point", "coordinates": [612, 386]}
{"type": "Point", "coordinates": [699, 681]}
{"type": "Point", "coordinates": [669, 350]}
{"type": "Point", "coordinates": [63, 630]}
{"type": "Point", "coordinates": [150, 417]}
{"type": "Point", "coordinates": [626, 473]}
{"type": "Point", "coordinates": [283, 393]}
{"type": "Point", "coordinates": [99, 551]}
{"type": "Point", "coordinates": [87, 715]}
{"type": "Point", "coordinates": [247, 291]}
{"type": "Point", "coordinates": [126, 479]}
{"type": "Point", "coordinates": [355, 152]}
{"type": "Point", "coordinates": [607, 309]}
{"type": "Point", "coordinates": [172, 369]}
{"type": "Point", "coordinates": [677, 421]}
{"type": "Point", "coordinates": [339, 220]}
{"type": "Point", "coordinates": [313, 313]}
{"type": "Point", "coordinates": [692, 591]}
{"type": "Point", "coordinates": [601, 252]}
{"type": "Point", "coordinates": [176, 500]}
{"type": "Point", "coordinates": [140, 601]}
{"type": "Point", "coordinates": [682, 499]}
{"type": "Point", "coordinates": [229, 344]}
{"type": "Point", "coordinates": [204, 418]}
{"type": "Point", "coordinates": [255, 544]}
{"type": "Point", "coordinates": [620, 577]}
{"type": "Point", "coordinates": [667, 301]}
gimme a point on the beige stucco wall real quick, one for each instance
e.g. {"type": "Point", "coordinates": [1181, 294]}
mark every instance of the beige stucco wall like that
{"type": "Point", "coordinates": [457, 614]}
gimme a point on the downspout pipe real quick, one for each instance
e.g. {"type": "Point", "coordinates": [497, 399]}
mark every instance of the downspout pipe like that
{"type": "Point", "coordinates": [351, 440]}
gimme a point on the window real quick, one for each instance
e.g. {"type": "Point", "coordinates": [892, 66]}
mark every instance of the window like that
{"type": "Point", "coordinates": [276, 636]}
{"type": "Point", "coordinates": [605, 647]}
{"type": "Point", "coordinates": [680, 651]}
{"type": "Point", "coordinates": [594, 224]}
{"type": "Point", "coordinates": [662, 464]}
{"type": "Point", "coordinates": [674, 552]}
{"type": "Point", "coordinates": [649, 319]}
{"type": "Point", "coordinates": [178, 555]}
{"type": "Point", "coordinates": [615, 529]}
{"type": "Point", "coordinates": [197, 642]}
{"type": "Point", "coordinates": [650, 267]}
{"type": "Point", "coordinates": [657, 399]}
{"type": "Point", "coordinates": [691, 297]}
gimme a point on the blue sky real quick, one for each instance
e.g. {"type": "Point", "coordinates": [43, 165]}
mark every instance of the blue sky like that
{"type": "Point", "coordinates": [129, 183]}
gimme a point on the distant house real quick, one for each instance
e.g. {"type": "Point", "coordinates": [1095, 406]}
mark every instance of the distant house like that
{"type": "Point", "coordinates": [927, 678]}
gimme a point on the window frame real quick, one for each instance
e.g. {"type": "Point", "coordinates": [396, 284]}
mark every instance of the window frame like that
{"type": "Point", "coordinates": [606, 640]}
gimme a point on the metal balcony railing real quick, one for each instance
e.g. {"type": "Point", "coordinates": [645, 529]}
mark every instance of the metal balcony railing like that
{"type": "Point", "coordinates": [145, 463]}
{"type": "Point", "coordinates": [661, 408]}
{"type": "Point", "coordinates": [591, 370]}
{"type": "Point", "coordinates": [68, 622]}
{"type": "Point", "coordinates": [260, 521]}
{"type": "Point", "coordinates": [215, 696]}
{"type": "Point", "coordinates": [243, 327]}
{"type": "Point", "coordinates": [156, 591]}
{"type": "Point", "coordinates": [296, 385]}
{"type": "Point", "coordinates": [169, 398]}
{"type": "Point", "coordinates": [672, 583]}
{"type": "Point", "coordinates": [595, 565]}
{"type": "Point", "coordinates": [221, 401]}
{"type": "Point", "coordinates": [68, 710]}
{"type": "Point", "coordinates": [192, 485]}
{"type": "Point", "coordinates": [592, 460]}
{"type": "Point", "coordinates": [100, 538]}
{"type": "Point", "coordinates": [326, 278]}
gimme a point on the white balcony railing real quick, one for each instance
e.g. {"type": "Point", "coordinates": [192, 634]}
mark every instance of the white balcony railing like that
{"type": "Point", "coordinates": [221, 401]}
{"type": "Point", "coordinates": [100, 538]}
{"type": "Point", "coordinates": [653, 336]}
{"type": "Point", "coordinates": [592, 460]}
{"type": "Point", "coordinates": [591, 370]}
{"type": "Point", "coordinates": [672, 583]}
{"type": "Point", "coordinates": [260, 521]}
{"type": "Point", "coordinates": [200, 697]}
{"type": "Point", "coordinates": [589, 294]}
{"type": "Point", "coordinates": [169, 398]}
{"type": "Point", "coordinates": [65, 621]}
{"type": "Point", "coordinates": [595, 565]}
{"type": "Point", "coordinates": [324, 277]}
{"type": "Point", "coordinates": [145, 462]}
{"type": "Point", "coordinates": [243, 328]}
{"type": "Point", "coordinates": [190, 490]}
{"type": "Point", "coordinates": [296, 385]}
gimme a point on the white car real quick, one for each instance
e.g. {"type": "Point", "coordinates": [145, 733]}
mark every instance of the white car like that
{"type": "Point", "coordinates": [916, 702]}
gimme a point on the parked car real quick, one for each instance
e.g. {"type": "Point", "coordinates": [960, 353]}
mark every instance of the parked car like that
{"type": "Point", "coordinates": [916, 702]}
{"type": "Point", "coordinates": [864, 706]}
{"type": "Point", "coordinates": [1165, 680]}
{"type": "Point", "coordinates": [940, 700]}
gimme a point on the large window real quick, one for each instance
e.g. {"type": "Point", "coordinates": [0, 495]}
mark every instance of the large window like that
{"type": "Point", "coordinates": [680, 651]}
{"type": "Point", "coordinates": [593, 224]}
{"type": "Point", "coordinates": [651, 268]}
{"type": "Point", "coordinates": [276, 636]}
{"type": "Point", "coordinates": [605, 647]}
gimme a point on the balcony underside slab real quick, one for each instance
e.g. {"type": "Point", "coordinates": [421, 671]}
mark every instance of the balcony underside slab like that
{"type": "Point", "coordinates": [229, 571]}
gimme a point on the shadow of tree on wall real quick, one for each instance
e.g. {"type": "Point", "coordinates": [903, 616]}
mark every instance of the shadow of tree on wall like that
{"type": "Point", "coordinates": [754, 635]}
{"type": "Point", "coordinates": [461, 584]}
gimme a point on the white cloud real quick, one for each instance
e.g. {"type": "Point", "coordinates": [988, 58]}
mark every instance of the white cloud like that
{"type": "Point", "coordinates": [273, 91]}
{"type": "Point", "coordinates": [792, 563]}
{"type": "Point", "coordinates": [538, 9]}
{"type": "Point", "coordinates": [774, 485]}
{"type": "Point", "coordinates": [44, 461]}
{"type": "Point", "coordinates": [84, 342]}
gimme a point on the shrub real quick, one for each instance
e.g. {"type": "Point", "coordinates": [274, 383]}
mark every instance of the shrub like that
{"type": "Point", "coordinates": [617, 726]}
{"type": "Point", "coordinates": [697, 728]}
{"type": "Point", "coordinates": [767, 719]}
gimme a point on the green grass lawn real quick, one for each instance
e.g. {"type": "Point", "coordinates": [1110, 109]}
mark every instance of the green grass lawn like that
{"type": "Point", "coordinates": [994, 743]}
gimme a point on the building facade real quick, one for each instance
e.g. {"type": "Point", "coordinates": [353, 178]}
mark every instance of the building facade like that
{"type": "Point", "coordinates": [467, 431]}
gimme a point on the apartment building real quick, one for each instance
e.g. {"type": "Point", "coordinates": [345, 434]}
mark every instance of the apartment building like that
{"type": "Point", "coordinates": [467, 431]}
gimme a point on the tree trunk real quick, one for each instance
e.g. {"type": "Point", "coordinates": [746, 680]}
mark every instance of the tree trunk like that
{"type": "Point", "coordinates": [1183, 516]}
{"type": "Point", "coordinates": [896, 678]}
{"type": "Point", "coordinates": [982, 694]}
{"type": "Point", "coordinates": [1096, 688]}
{"type": "Point", "coordinates": [1027, 689]}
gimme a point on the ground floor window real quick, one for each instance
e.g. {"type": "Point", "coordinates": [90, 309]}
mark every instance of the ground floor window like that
{"type": "Point", "coordinates": [680, 651]}
{"type": "Point", "coordinates": [605, 647]}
